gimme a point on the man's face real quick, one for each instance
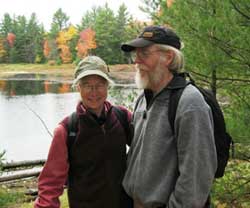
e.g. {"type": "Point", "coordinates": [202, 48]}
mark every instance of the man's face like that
{"type": "Point", "coordinates": [150, 68]}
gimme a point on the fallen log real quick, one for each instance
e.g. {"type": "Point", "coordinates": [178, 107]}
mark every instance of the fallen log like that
{"type": "Point", "coordinates": [19, 176]}
{"type": "Point", "coordinates": [13, 165]}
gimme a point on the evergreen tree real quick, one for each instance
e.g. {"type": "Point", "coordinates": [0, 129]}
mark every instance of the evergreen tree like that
{"type": "Point", "coordinates": [60, 21]}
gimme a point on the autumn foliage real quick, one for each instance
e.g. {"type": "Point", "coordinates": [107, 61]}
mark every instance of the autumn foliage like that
{"type": "Point", "coordinates": [63, 40]}
{"type": "Point", "coordinates": [169, 3]}
{"type": "Point", "coordinates": [46, 48]}
{"type": "Point", "coordinates": [11, 39]}
{"type": "Point", "coordinates": [85, 42]}
{"type": "Point", "coordinates": [3, 52]}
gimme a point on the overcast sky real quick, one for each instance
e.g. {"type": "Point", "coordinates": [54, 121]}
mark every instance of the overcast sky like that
{"type": "Point", "coordinates": [75, 9]}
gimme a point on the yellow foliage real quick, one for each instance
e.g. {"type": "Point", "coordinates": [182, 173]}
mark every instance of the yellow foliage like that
{"type": "Point", "coordinates": [72, 31]}
{"type": "Point", "coordinates": [62, 41]}
{"type": "Point", "coordinates": [2, 50]}
{"type": "Point", "coordinates": [224, 205]}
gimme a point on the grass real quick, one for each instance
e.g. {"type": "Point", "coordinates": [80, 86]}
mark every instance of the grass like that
{"type": "Point", "coordinates": [63, 200]}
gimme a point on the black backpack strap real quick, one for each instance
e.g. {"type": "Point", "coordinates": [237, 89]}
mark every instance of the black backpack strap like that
{"type": "Point", "coordinates": [175, 95]}
{"type": "Point", "coordinates": [72, 129]}
{"type": "Point", "coordinates": [176, 86]}
{"type": "Point", "coordinates": [123, 119]}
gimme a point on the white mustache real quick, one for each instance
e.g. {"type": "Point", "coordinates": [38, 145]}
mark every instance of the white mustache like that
{"type": "Point", "coordinates": [139, 67]}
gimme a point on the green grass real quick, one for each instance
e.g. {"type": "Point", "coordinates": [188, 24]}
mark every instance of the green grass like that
{"type": "Point", "coordinates": [63, 200]}
{"type": "Point", "coordinates": [15, 199]}
{"type": "Point", "coordinates": [8, 197]}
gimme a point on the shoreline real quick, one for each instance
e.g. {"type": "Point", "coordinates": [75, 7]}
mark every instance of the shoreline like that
{"type": "Point", "coordinates": [121, 73]}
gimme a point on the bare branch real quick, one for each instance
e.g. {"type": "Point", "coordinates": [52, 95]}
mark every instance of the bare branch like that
{"type": "Point", "coordinates": [44, 124]}
{"type": "Point", "coordinates": [239, 11]}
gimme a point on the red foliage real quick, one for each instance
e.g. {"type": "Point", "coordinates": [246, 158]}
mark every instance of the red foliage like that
{"type": "Point", "coordinates": [85, 42]}
{"type": "Point", "coordinates": [11, 37]}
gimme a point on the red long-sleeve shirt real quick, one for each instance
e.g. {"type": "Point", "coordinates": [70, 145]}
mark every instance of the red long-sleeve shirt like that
{"type": "Point", "coordinates": [54, 175]}
{"type": "Point", "coordinates": [55, 172]}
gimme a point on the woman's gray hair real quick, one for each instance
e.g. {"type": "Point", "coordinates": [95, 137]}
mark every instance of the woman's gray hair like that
{"type": "Point", "coordinates": [178, 61]}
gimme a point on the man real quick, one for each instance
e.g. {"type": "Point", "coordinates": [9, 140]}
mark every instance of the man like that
{"type": "Point", "coordinates": [167, 169]}
{"type": "Point", "coordinates": [94, 164]}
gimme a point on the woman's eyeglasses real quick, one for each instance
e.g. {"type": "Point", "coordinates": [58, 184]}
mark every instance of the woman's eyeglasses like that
{"type": "Point", "coordinates": [89, 88]}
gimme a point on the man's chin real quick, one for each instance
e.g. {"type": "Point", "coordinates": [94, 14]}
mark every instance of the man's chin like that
{"type": "Point", "coordinates": [141, 82]}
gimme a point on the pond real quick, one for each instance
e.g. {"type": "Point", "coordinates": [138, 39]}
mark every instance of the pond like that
{"type": "Point", "coordinates": [31, 109]}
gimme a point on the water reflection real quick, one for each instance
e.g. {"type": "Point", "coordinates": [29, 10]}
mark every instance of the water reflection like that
{"type": "Point", "coordinates": [22, 134]}
{"type": "Point", "coordinates": [32, 87]}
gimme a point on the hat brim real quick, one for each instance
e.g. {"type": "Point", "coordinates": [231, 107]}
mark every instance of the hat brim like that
{"type": "Point", "coordinates": [136, 43]}
{"type": "Point", "coordinates": [93, 72]}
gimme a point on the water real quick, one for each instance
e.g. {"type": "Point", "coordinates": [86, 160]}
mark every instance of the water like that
{"type": "Point", "coordinates": [24, 106]}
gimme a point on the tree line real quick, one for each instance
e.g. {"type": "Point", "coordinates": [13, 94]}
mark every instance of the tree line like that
{"type": "Point", "coordinates": [100, 32]}
{"type": "Point", "coordinates": [216, 41]}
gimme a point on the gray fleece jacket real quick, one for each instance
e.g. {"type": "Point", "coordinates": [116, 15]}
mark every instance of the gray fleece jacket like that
{"type": "Point", "coordinates": [167, 170]}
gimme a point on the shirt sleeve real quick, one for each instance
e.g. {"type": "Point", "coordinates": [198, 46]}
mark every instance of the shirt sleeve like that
{"type": "Point", "coordinates": [54, 175]}
{"type": "Point", "coordinates": [197, 159]}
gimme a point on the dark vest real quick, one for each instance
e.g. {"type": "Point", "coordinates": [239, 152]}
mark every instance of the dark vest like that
{"type": "Point", "coordinates": [97, 164]}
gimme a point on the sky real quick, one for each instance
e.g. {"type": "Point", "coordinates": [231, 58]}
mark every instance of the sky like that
{"type": "Point", "coordinates": [75, 9]}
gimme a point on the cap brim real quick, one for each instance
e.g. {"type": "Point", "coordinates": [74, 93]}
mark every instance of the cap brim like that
{"type": "Point", "coordinates": [136, 43]}
{"type": "Point", "coordinates": [93, 72]}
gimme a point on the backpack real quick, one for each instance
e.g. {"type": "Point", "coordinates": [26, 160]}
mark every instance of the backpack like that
{"type": "Point", "coordinates": [223, 140]}
{"type": "Point", "coordinates": [72, 127]}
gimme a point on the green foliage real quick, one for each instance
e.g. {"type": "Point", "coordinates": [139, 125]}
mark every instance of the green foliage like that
{"type": "Point", "coordinates": [63, 200]}
{"type": "Point", "coordinates": [2, 159]}
{"type": "Point", "coordinates": [216, 38]}
{"type": "Point", "coordinates": [124, 96]}
{"type": "Point", "coordinates": [28, 38]}
{"type": "Point", "coordinates": [60, 21]}
{"type": "Point", "coordinates": [233, 189]}
{"type": "Point", "coordinates": [111, 31]}
{"type": "Point", "coordinates": [8, 197]}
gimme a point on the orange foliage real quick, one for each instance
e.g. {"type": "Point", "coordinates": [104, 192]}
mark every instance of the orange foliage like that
{"type": "Point", "coordinates": [46, 86]}
{"type": "Point", "coordinates": [2, 84]}
{"type": "Point", "coordinates": [46, 48]}
{"type": "Point", "coordinates": [12, 92]}
{"type": "Point", "coordinates": [64, 88]}
{"type": "Point", "coordinates": [169, 3]}
{"type": "Point", "coordinates": [11, 37]}
{"type": "Point", "coordinates": [85, 42]}
{"type": "Point", "coordinates": [65, 54]}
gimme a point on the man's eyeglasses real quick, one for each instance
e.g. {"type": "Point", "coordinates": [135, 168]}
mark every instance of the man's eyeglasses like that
{"type": "Point", "coordinates": [142, 55]}
{"type": "Point", "coordinates": [89, 88]}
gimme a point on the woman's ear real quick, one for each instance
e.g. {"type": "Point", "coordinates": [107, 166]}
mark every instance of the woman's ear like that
{"type": "Point", "coordinates": [78, 87]}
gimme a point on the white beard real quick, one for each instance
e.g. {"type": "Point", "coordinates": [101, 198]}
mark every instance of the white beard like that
{"type": "Point", "coordinates": [148, 79]}
{"type": "Point", "coordinates": [141, 78]}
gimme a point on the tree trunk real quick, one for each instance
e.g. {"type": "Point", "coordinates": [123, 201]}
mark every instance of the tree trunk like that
{"type": "Point", "coordinates": [19, 176]}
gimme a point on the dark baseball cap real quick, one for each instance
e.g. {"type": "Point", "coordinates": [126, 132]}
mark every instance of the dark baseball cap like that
{"type": "Point", "coordinates": [151, 35]}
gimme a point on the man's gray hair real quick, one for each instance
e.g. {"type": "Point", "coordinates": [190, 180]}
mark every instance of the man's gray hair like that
{"type": "Point", "coordinates": [178, 61]}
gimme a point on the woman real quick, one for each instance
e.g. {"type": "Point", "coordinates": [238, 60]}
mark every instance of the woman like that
{"type": "Point", "coordinates": [94, 165]}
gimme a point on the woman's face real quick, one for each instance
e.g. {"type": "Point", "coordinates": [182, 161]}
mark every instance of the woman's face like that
{"type": "Point", "coordinates": [93, 90]}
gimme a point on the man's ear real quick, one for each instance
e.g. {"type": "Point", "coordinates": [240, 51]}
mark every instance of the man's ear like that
{"type": "Point", "coordinates": [169, 57]}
